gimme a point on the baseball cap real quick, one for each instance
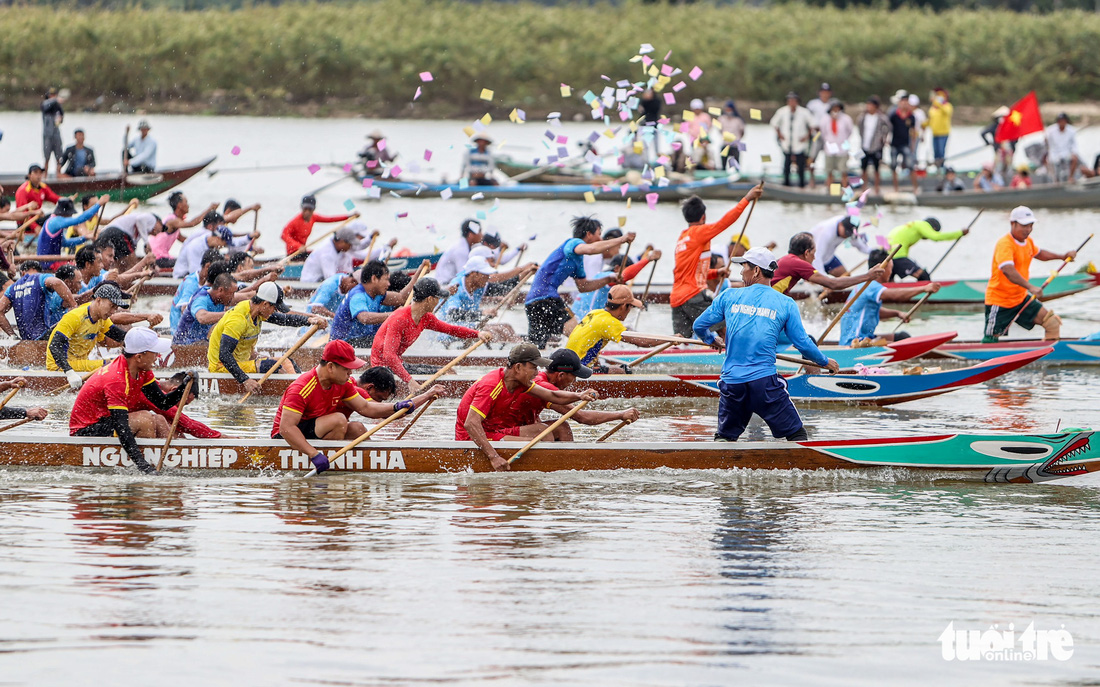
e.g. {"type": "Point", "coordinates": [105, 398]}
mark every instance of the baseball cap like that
{"type": "Point", "coordinates": [620, 294]}
{"type": "Point", "coordinates": [111, 292]}
{"type": "Point", "coordinates": [77, 131]}
{"type": "Point", "coordinates": [428, 288]}
{"type": "Point", "coordinates": [64, 208]}
{"type": "Point", "coordinates": [271, 293]}
{"type": "Point", "coordinates": [309, 202]}
{"type": "Point", "coordinates": [761, 257]}
{"type": "Point", "coordinates": [565, 360]}
{"type": "Point", "coordinates": [478, 264]}
{"type": "Point", "coordinates": [1022, 215]}
{"type": "Point", "coordinates": [346, 234]}
{"type": "Point", "coordinates": [341, 353]}
{"type": "Point", "coordinates": [527, 353]}
{"type": "Point", "coordinates": [481, 251]}
{"type": "Point", "coordinates": [144, 124]}
{"type": "Point", "coordinates": [225, 234]}
{"type": "Point", "coordinates": [792, 94]}
{"type": "Point", "coordinates": [143, 340]}
{"type": "Point", "coordinates": [34, 168]}
{"type": "Point", "coordinates": [697, 104]}
{"type": "Point", "coordinates": [825, 86]}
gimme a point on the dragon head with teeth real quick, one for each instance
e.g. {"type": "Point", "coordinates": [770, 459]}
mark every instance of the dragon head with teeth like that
{"type": "Point", "coordinates": [1065, 447]}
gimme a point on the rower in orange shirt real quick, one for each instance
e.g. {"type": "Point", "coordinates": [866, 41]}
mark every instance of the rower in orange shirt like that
{"type": "Point", "coordinates": [296, 232]}
{"type": "Point", "coordinates": [692, 269]}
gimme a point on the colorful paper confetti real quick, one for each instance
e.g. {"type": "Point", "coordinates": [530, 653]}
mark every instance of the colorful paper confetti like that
{"type": "Point", "coordinates": [670, 99]}
{"type": "Point", "coordinates": [348, 205]}
{"type": "Point", "coordinates": [695, 73]}
{"type": "Point", "coordinates": [651, 200]}
{"type": "Point", "coordinates": [754, 114]}
{"type": "Point", "coordinates": [566, 91]}
{"type": "Point", "coordinates": [417, 94]}
{"type": "Point", "coordinates": [589, 197]}
{"type": "Point", "coordinates": [427, 155]}
{"type": "Point", "coordinates": [313, 169]}
{"type": "Point", "coordinates": [236, 150]}
{"type": "Point", "coordinates": [368, 182]}
{"type": "Point", "coordinates": [446, 194]}
{"type": "Point", "coordinates": [426, 77]}
{"type": "Point", "coordinates": [486, 94]}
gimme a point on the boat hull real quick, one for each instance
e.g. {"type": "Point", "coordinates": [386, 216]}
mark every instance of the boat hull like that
{"type": "Point", "coordinates": [1064, 352]}
{"type": "Point", "coordinates": [121, 187]}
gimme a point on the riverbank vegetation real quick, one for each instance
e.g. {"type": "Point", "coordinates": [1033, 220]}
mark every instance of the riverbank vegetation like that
{"type": "Point", "coordinates": [366, 56]}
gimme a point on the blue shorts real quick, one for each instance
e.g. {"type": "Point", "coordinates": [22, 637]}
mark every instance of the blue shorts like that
{"type": "Point", "coordinates": [833, 264]}
{"type": "Point", "coordinates": [766, 397]}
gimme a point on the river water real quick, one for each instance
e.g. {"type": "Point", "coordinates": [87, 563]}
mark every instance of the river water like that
{"type": "Point", "coordinates": [653, 578]}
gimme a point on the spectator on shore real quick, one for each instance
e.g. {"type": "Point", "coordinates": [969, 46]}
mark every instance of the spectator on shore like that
{"type": "Point", "coordinates": [901, 154]}
{"type": "Point", "coordinates": [819, 108]}
{"type": "Point", "coordinates": [939, 120]}
{"type": "Point", "coordinates": [1061, 158]}
{"type": "Point", "coordinates": [950, 183]}
{"type": "Point", "coordinates": [52, 116]}
{"type": "Point", "coordinates": [1004, 151]}
{"type": "Point", "coordinates": [143, 151]}
{"type": "Point", "coordinates": [733, 127]}
{"type": "Point", "coordinates": [874, 131]}
{"type": "Point", "coordinates": [793, 126]}
{"type": "Point", "coordinates": [920, 119]}
{"type": "Point", "coordinates": [989, 180]}
{"type": "Point", "coordinates": [836, 129]}
{"type": "Point", "coordinates": [1022, 178]}
{"type": "Point", "coordinates": [78, 160]}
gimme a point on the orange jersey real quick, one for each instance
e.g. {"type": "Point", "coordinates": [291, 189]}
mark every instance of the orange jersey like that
{"type": "Point", "coordinates": [1009, 251]}
{"type": "Point", "coordinates": [689, 275]}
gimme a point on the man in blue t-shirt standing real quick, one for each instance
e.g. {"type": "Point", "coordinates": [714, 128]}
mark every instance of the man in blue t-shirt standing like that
{"type": "Point", "coordinates": [547, 313]}
{"type": "Point", "coordinates": [755, 316]}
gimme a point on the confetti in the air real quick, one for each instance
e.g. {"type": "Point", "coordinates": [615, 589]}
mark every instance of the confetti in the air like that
{"type": "Point", "coordinates": [313, 169]}
{"type": "Point", "coordinates": [426, 76]}
{"type": "Point", "coordinates": [236, 150]}
{"type": "Point", "coordinates": [348, 205]}
{"type": "Point", "coordinates": [695, 73]}
{"type": "Point", "coordinates": [486, 94]}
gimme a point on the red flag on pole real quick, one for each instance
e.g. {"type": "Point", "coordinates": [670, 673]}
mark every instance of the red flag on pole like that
{"type": "Point", "coordinates": [1023, 119]}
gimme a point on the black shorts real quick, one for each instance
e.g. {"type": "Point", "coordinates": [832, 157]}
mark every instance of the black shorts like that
{"type": "Point", "coordinates": [904, 267]}
{"type": "Point", "coordinates": [871, 160]}
{"type": "Point", "coordinates": [103, 427]}
{"type": "Point", "coordinates": [265, 364]}
{"type": "Point", "coordinates": [120, 240]}
{"type": "Point", "coordinates": [546, 317]}
{"type": "Point", "coordinates": [685, 314]}
{"type": "Point", "coordinates": [308, 428]}
{"type": "Point", "coordinates": [999, 318]}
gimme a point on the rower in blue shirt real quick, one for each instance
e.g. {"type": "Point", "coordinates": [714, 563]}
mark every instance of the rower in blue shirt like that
{"type": "Point", "coordinates": [364, 309]}
{"type": "Point", "coordinates": [330, 294]}
{"type": "Point", "coordinates": [755, 316]}
{"type": "Point", "coordinates": [29, 298]}
{"type": "Point", "coordinates": [863, 315]}
{"type": "Point", "coordinates": [205, 308]}
{"type": "Point", "coordinates": [52, 239]}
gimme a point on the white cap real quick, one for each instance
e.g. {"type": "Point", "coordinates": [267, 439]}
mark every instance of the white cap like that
{"type": "Point", "coordinates": [143, 340]}
{"type": "Point", "coordinates": [1022, 215]}
{"type": "Point", "coordinates": [269, 292]}
{"type": "Point", "coordinates": [477, 263]}
{"type": "Point", "coordinates": [697, 104]}
{"type": "Point", "coordinates": [761, 257]}
{"type": "Point", "coordinates": [480, 251]}
{"type": "Point", "coordinates": [914, 99]}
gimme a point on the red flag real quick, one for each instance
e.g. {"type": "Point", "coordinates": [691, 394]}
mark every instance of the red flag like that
{"type": "Point", "coordinates": [1022, 119]}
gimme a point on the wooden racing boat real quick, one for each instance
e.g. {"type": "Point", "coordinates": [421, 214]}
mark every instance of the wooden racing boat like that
{"type": "Point", "coordinates": [673, 192]}
{"type": "Point", "coordinates": [1080, 195]}
{"type": "Point", "coordinates": [293, 271]}
{"type": "Point", "coordinates": [1064, 352]}
{"type": "Point", "coordinates": [122, 187]}
{"type": "Point", "coordinates": [1017, 458]}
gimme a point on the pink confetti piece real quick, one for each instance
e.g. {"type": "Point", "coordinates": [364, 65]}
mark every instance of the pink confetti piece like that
{"type": "Point", "coordinates": [664, 121]}
{"type": "Point", "coordinates": [395, 171]}
{"type": "Point", "coordinates": [623, 189]}
{"type": "Point", "coordinates": [371, 164]}
{"type": "Point", "coordinates": [679, 87]}
{"type": "Point", "coordinates": [695, 73]}
{"type": "Point", "coordinates": [562, 139]}
{"type": "Point", "coordinates": [426, 77]}
{"type": "Point", "coordinates": [670, 99]}
{"type": "Point", "coordinates": [368, 182]}
{"type": "Point", "coordinates": [382, 144]}
{"type": "Point", "coordinates": [666, 69]}
{"type": "Point", "coordinates": [427, 155]}
{"type": "Point", "coordinates": [667, 55]}
{"type": "Point", "coordinates": [417, 94]}
{"type": "Point", "coordinates": [313, 169]}
{"type": "Point", "coordinates": [446, 194]}
{"type": "Point", "coordinates": [624, 115]}
{"type": "Point", "coordinates": [605, 77]}
{"type": "Point", "coordinates": [402, 215]}
{"type": "Point", "coordinates": [646, 61]}
{"type": "Point", "coordinates": [651, 200]}
{"type": "Point", "coordinates": [236, 150]}
{"type": "Point", "coordinates": [882, 242]}
{"type": "Point", "coordinates": [347, 168]}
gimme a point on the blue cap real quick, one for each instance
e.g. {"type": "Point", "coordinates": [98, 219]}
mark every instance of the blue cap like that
{"type": "Point", "coordinates": [225, 234]}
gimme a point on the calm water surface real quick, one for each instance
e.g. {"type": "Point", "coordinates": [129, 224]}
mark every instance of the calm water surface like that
{"type": "Point", "coordinates": [655, 578]}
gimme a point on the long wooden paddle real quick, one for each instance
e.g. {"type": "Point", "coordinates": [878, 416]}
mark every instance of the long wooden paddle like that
{"type": "Point", "coordinates": [572, 411]}
{"type": "Point", "coordinates": [848, 303]}
{"type": "Point", "coordinates": [825, 292]}
{"type": "Point", "coordinates": [649, 355]}
{"type": "Point", "coordinates": [175, 424]}
{"type": "Point", "coordinates": [15, 424]}
{"type": "Point", "coordinates": [366, 435]}
{"type": "Point", "coordinates": [420, 272]}
{"type": "Point", "coordinates": [415, 418]}
{"type": "Point", "coordinates": [912, 310]}
{"type": "Point", "coordinates": [279, 363]}
{"type": "Point", "coordinates": [519, 256]}
{"type": "Point", "coordinates": [617, 427]}
{"type": "Point", "coordinates": [29, 221]}
{"type": "Point", "coordinates": [306, 246]}
{"type": "Point", "coordinates": [1046, 283]}
{"type": "Point", "coordinates": [622, 263]}
{"type": "Point", "coordinates": [645, 293]}
{"type": "Point", "coordinates": [952, 246]}
{"type": "Point", "coordinates": [10, 395]}
{"type": "Point", "coordinates": [84, 377]}
{"type": "Point", "coordinates": [370, 248]}
{"type": "Point", "coordinates": [749, 216]}
{"type": "Point", "coordinates": [506, 302]}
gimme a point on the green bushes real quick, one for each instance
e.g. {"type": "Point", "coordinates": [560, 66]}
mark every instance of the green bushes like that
{"type": "Point", "coordinates": [370, 53]}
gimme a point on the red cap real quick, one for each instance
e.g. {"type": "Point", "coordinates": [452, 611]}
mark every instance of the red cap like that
{"type": "Point", "coordinates": [341, 353]}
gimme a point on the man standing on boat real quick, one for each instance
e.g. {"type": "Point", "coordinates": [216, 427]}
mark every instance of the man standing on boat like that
{"type": "Point", "coordinates": [1009, 290]}
{"type": "Point", "coordinates": [692, 268]}
{"type": "Point", "coordinates": [755, 317]}
{"type": "Point", "coordinates": [314, 406]}
{"type": "Point", "coordinates": [908, 235]}
{"type": "Point", "coordinates": [487, 411]}
{"type": "Point", "coordinates": [142, 151]}
{"type": "Point", "coordinates": [110, 403]}
{"type": "Point", "coordinates": [479, 165]}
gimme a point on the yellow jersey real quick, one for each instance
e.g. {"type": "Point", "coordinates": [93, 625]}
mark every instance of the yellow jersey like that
{"type": "Point", "coordinates": [596, 329]}
{"type": "Point", "coordinates": [239, 324]}
{"type": "Point", "coordinates": [83, 334]}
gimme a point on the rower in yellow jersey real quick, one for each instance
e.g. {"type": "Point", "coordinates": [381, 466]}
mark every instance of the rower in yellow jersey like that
{"type": "Point", "coordinates": [606, 324]}
{"type": "Point", "coordinates": [80, 329]}
{"type": "Point", "coordinates": [233, 339]}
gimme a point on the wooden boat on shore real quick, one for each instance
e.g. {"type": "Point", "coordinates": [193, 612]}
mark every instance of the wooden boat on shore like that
{"type": "Point", "coordinates": [673, 192]}
{"type": "Point", "coordinates": [1015, 458]}
{"type": "Point", "coordinates": [122, 187]}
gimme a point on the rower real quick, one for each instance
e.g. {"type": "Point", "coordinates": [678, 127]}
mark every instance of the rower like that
{"type": "Point", "coordinates": [128, 232]}
{"type": "Point", "coordinates": [828, 236]}
{"type": "Point", "coordinates": [213, 235]}
{"type": "Point", "coordinates": [365, 307]}
{"type": "Point", "coordinates": [377, 383]}
{"type": "Point", "coordinates": [14, 412]}
{"type": "Point", "coordinates": [594, 300]}
{"type": "Point", "coordinates": [186, 425]}
{"type": "Point", "coordinates": [797, 265]}
{"type": "Point", "coordinates": [606, 324]}
{"type": "Point", "coordinates": [311, 408]}
{"type": "Point", "coordinates": [34, 190]}
{"type": "Point", "coordinates": [206, 308]}
{"type": "Point", "coordinates": [564, 368]}
{"type": "Point", "coordinates": [547, 314]}
{"type": "Point", "coordinates": [692, 259]}
{"type": "Point", "coordinates": [170, 234]}
{"type": "Point", "coordinates": [405, 324]}
{"type": "Point", "coordinates": [81, 329]}
{"type": "Point", "coordinates": [330, 294]}
{"type": "Point", "coordinates": [375, 154]}
{"type": "Point", "coordinates": [500, 253]}
{"type": "Point", "coordinates": [479, 165]}
{"type": "Point", "coordinates": [52, 238]}
{"type": "Point", "coordinates": [112, 402]}
{"type": "Point", "coordinates": [189, 285]}
{"type": "Point", "coordinates": [492, 400]}
{"type": "Point", "coordinates": [469, 289]}
{"type": "Point", "coordinates": [332, 256]}
{"type": "Point", "coordinates": [456, 255]}
{"type": "Point", "coordinates": [907, 235]}
{"type": "Point", "coordinates": [109, 271]}
{"type": "Point", "coordinates": [233, 210]}
{"type": "Point", "coordinates": [233, 339]}
{"type": "Point", "coordinates": [755, 316]}
{"type": "Point", "coordinates": [296, 232]}
{"type": "Point", "coordinates": [863, 316]}
{"type": "Point", "coordinates": [1009, 289]}
{"type": "Point", "coordinates": [30, 298]}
